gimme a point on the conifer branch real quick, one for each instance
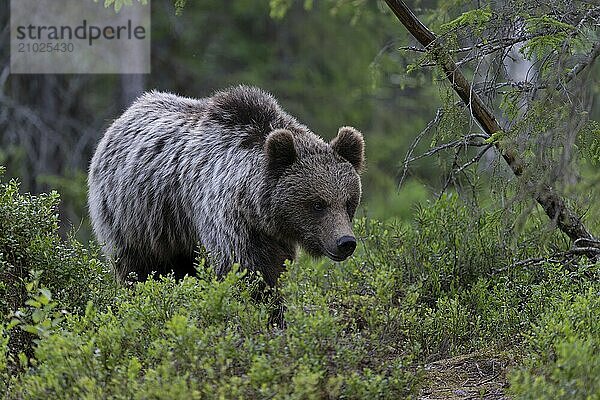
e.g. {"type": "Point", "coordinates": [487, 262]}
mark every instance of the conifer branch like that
{"type": "Point", "coordinates": [552, 202]}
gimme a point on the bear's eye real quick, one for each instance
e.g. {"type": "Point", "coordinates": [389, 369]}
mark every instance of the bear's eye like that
{"type": "Point", "coordinates": [319, 205]}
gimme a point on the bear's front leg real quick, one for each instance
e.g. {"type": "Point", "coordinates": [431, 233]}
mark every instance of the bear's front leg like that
{"type": "Point", "coordinates": [268, 260]}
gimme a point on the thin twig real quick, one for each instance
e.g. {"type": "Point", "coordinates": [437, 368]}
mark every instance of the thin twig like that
{"type": "Point", "coordinates": [557, 258]}
{"type": "Point", "coordinates": [412, 48]}
{"type": "Point", "coordinates": [464, 141]}
{"type": "Point", "coordinates": [415, 142]}
{"type": "Point", "coordinates": [460, 169]}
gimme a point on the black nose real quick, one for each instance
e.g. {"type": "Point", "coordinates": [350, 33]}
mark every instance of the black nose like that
{"type": "Point", "coordinates": [346, 246]}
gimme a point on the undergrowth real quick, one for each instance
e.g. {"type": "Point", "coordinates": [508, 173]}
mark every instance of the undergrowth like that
{"type": "Point", "coordinates": [447, 284]}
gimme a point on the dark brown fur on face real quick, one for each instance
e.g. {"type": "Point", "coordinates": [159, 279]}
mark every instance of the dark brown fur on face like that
{"type": "Point", "coordinates": [233, 172]}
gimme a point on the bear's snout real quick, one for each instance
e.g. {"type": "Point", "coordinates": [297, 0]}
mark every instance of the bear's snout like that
{"type": "Point", "coordinates": [346, 246]}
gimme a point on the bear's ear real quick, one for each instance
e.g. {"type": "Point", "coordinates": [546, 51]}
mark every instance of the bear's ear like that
{"type": "Point", "coordinates": [280, 150]}
{"type": "Point", "coordinates": [350, 145]}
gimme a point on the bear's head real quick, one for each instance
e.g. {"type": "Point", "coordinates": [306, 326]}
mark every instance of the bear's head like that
{"type": "Point", "coordinates": [316, 189]}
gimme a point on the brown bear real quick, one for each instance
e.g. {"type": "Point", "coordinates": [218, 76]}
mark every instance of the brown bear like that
{"type": "Point", "coordinates": [232, 172]}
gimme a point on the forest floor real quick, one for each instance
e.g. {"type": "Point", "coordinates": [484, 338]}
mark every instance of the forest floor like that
{"type": "Point", "coordinates": [470, 376]}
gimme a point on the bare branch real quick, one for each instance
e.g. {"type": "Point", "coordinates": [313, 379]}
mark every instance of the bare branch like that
{"type": "Point", "coordinates": [466, 165]}
{"type": "Point", "coordinates": [558, 258]}
{"type": "Point", "coordinates": [577, 69]}
{"type": "Point", "coordinates": [413, 146]}
{"type": "Point", "coordinates": [467, 141]}
{"type": "Point", "coordinates": [412, 48]}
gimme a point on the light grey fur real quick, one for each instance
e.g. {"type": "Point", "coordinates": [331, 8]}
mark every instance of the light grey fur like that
{"type": "Point", "coordinates": [173, 172]}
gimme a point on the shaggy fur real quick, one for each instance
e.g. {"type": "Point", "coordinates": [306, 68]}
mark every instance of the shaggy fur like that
{"type": "Point", "coordinates": [233, 172]}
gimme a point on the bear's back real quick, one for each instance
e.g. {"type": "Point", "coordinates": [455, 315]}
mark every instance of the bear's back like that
{"type": "Point", "coordinates": [170, 162]}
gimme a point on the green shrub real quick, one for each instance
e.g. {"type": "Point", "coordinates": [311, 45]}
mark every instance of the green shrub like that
{"type": "Point", "coordinates": [204, 337]}
{"type": "Point", "coordinates": [29, 242]}
{"type": "Point", "coordinates": [412, 293]}
{"type": "Point", "coordinates": [32, 254]}
{"type": "Point", "coordinates": [4, 375]}
{"type": "Point", "coordinates": [564, 348]}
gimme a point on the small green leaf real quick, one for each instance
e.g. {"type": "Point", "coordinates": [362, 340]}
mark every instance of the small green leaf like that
{"type": "Point", "coordinates": [33, 303]}
{"type": "Point", "coordinates": [476, 19]}
{"type": "Point", "coordinates": [30, 328]}
{"type": "Point", "coordinates": [37, 316]}
{"type": "Point", "coordinates": [496, 136]}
